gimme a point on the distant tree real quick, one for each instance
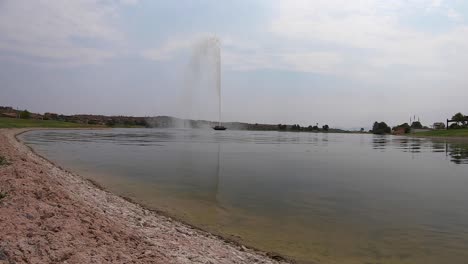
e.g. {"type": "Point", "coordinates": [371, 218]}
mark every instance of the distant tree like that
{"type": "Point", "coordinates": [25, 114]}
{"type": "Point", "coordinates": [362, 130]}
{"type": "Point", "coordinates": [416, 125]}
{"type": "Point", "coordinates": [315, 128]}
{"type": "Point", "coordinates": [459, 118]}
{"type": "Point", "coordinates": [296, 127]}
{"type": "Point", "coordinates": [380, 128]}
{"type": "Point", "coordinates": [325, 127]}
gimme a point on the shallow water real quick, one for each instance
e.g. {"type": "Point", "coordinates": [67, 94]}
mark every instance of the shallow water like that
{"type": "Point", "coordinates": [319, 198]}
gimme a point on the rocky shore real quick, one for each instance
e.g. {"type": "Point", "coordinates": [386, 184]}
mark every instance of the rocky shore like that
{"type": "Point", "coordinates": [49, 215]}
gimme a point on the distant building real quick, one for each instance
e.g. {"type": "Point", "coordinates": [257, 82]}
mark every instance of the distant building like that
{"type": "Point", "coordinates": [438, 125]}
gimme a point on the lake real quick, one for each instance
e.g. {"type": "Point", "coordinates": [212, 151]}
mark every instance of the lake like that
{"type": "Point", "coordinates": [316, 197]}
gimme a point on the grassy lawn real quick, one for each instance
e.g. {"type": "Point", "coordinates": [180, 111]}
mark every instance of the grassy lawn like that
{"type": "Point", "coordinates": [6, 122]}
{"type": "Point", "coordinates": [445, 133]}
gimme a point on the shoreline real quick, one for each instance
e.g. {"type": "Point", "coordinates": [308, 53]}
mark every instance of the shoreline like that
{"type": "Point", "coordinates": [50, 214]}
{"type": "Point", "coordinates": [448, 139]}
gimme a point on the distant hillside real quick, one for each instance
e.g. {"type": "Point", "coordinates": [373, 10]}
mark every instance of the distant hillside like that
{"type": "Point", "coordinates": [156, 122]}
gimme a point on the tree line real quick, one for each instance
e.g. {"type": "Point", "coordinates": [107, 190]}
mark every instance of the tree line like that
{"type": "Point", "coordinates": [460, 121]}
{"type": "Point", "coordinates": [296, 127]}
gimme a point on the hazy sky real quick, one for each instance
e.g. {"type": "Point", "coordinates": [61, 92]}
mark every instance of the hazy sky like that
{"type": "Point", "coordinates": [345, 63]}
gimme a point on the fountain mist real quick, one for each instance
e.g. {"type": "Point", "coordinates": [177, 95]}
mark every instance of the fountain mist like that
{"type": "Point", "coordinates": [203, 81]}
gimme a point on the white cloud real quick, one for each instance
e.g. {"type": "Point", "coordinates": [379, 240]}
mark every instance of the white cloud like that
{"type": "Point", "coordinates": [373, 28]}
{"type": "Point", "coordinates": [361, 39]}
{"type": "Point", "coordinates": [73, 31]}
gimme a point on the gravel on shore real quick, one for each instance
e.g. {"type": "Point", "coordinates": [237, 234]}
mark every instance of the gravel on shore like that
{"type": "Point", "coordinates": [49, 215]}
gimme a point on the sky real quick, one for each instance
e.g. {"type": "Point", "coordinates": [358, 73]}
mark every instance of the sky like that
{"type": "Point", "coordinates": [337, 62]}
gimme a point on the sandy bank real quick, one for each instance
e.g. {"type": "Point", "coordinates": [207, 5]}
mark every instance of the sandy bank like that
{"type": "Point", "coordinates": [50, 215]}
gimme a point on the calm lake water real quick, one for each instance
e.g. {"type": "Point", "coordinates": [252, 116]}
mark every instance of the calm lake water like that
{"type": "Point", "coordinates": [319, 198]}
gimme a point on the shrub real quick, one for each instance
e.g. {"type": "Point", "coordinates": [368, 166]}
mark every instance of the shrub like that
{"type": "Point", "coordinates": [25, 114]}
{"type": "Point", "coordinates": [282, 127]}
{"type": "Point", "coordinates": [129, 123]}
{"type": "Point", "coordinates": [454, 126]}
{"type": "Point", "coordinates": [110, 122]}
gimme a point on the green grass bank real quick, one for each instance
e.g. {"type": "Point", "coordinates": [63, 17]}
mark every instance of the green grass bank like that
{"type": "Point", "coordinates": [444, 133]}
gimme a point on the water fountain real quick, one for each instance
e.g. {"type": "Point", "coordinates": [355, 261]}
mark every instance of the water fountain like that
{"type": "Point", "coordinates": [206, 64]}
{"type": "Point", "coordinates": [217, 50]}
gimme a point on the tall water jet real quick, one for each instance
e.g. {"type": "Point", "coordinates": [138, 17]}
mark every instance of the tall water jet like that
{"type": "Point", "coordinates": [217, 51]}
{"type": "Point", "coordinates": [218, 76]}
{"type": "Point", "coordinates": [204, 72]}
